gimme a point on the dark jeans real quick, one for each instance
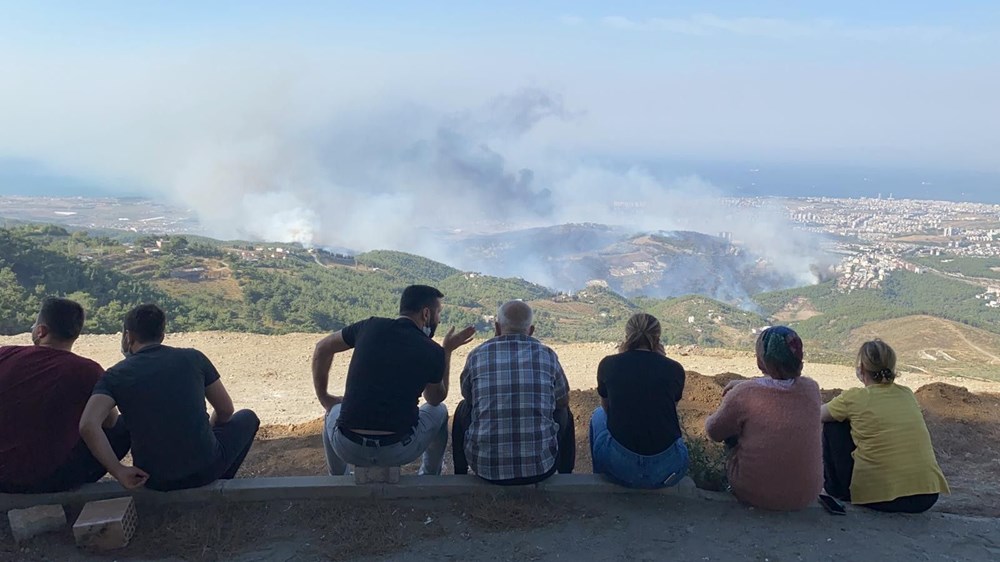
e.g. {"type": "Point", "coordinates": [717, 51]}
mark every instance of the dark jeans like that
{"type": "Point", "coordinates": [566, 437]}
{"type": "Point", "coordinates": [234, 438]}
{"type": "Point", "coordinates": [838, 469]}
{"type": "Point", "coordinates": [81, 467]}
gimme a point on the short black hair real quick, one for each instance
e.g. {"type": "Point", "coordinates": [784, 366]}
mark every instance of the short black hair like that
{"type": "Point", "coordinates": [63, 317]}
{"type": "Point", "coordinates": [147, 322]}
{"type": "Point", "coordinates": [418, 297]}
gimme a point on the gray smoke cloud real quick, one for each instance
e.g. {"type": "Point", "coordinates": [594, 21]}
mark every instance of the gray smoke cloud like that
{"type": "Point", "coordinates": [374, 183]}
{"type": "Point", "coordinates": [295, 160]}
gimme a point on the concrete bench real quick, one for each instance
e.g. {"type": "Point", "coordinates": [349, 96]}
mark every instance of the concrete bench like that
{"type": "Point", "coordinates": [325, 487]}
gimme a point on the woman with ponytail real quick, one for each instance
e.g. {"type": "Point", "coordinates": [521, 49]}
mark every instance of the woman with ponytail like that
{"type": "Point", "coordinates": [771, 426]}
{"type": "Point", "coordinates": [635, 437]}
{"type": "Point", "coordinates": [876, 449]}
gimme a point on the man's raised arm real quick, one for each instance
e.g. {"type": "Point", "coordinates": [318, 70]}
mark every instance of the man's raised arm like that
{"type": "Point", "coordinates": [322, 358]}
{"type": "Point", "coordinates": [436, 393]}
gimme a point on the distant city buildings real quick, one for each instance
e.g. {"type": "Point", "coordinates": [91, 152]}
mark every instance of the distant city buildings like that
{"type": "Point", "coordinates": [878, 236]}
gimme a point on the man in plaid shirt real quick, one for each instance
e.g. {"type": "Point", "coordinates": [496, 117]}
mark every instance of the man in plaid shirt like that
{"type": "Point", "coordinates": [513, 425]}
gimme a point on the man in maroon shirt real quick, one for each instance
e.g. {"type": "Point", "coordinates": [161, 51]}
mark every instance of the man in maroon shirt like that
{"type": "Point", "coordinates": [43, 390]}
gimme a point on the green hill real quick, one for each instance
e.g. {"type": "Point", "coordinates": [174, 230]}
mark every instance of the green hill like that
{"type": "Point", "coordinates": [415, 269]}
{"type": "Point", "coordinates": [827, 317]}
{"type": "Point", "coordinates": [279, 288]}
{"type": "Point", "coordinates": [30, 269]}
{"type": "Point", "coordinates": [707, 322]}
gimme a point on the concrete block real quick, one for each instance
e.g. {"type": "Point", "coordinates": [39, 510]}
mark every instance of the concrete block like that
{"type": "Point", "coordinates": [294, 488]}
{"type": "Point", "coordinates": [376, 475]}
{"type": "Point", "coordinates": [78, 497]}
{"type": "Point", "coordinates": [716, 496]}
{"type": "Point", "coordinates": [580, 483]}
{"type": "Point", "coordinates": [413, 486]}
{"type": "Point", "coordinates": [106, 524]}
{"type": "Point", "coordinates": [34, 521]}
{"type": "Point", "coordinates": [202, 494]}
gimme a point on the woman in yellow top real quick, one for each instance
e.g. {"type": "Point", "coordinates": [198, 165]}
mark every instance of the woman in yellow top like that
{"type": "Point", "coordinates": [876, 449]}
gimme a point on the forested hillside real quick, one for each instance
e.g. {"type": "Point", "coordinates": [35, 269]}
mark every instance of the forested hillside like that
{"type": "Point", "coordinates": [828, 317]}
{"type": "Point", "coordinates": [212, 285]}
{"type": "Point", "coordinates": [273, 288]}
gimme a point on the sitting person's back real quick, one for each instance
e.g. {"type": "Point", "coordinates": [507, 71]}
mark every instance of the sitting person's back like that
{"type": "Point", "coordinates": [513, 425]}
{"type": "Point", "coordinates": [876, 448]}
{"type": "Point", "coordinates": [378, 421]}
{"type": "Point", "coordinates": [43, 391]}
{"type": "Point", "coordinates": [635, 435]}
{"type": "Point", "coordinates": [773, 427]}
{"type": "Point", "coordinates": [161, 392]}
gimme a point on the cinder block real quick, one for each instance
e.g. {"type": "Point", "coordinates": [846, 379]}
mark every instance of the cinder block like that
{"type": "Point", "coordinates": [33, 521]}
{"type": "Point", "coordinates": [376, 475]}
{"type": "Point", "coordinates": [106, 524]}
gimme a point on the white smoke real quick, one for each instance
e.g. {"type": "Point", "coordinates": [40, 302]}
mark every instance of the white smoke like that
{"type": "Point", "coordinates": [285, 157]}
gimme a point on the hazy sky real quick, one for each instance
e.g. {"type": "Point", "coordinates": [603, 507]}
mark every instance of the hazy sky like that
{"type": "Point", "coordinates": [292, 100]}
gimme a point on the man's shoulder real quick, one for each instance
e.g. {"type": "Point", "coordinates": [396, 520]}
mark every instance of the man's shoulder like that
{"type": "Point", "coordinates": [520, 341]}
{"type": "Point", "coordinates": [14, 352]}
{"type": "Point", "coordinates": [32, 353]}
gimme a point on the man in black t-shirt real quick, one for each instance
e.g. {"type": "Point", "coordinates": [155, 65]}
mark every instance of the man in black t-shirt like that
{"type": "Point", "coordinates": [161, 392]}
{"type": "Point", "coordinates": [395, 361]}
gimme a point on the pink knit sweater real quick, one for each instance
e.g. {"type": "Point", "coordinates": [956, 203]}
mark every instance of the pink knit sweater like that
{"type": "Point", "coordinates": [778, 462]}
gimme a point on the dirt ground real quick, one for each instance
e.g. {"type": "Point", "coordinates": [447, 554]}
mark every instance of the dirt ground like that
{"type": "Point", "coordinates": [964, 427]}
{"type": "Point", "coordinates": [271, 375]}
{"type": "Point", "coordinates": [529, 526]}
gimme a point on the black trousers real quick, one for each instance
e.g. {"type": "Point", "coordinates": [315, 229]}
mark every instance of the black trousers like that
{"type": "Point", "coordinates": [838, 469]}
{"type": "Point", "coordinates": [235, 438]}
{"type": "Point", "coordinates": [566, 443]}
{"type": "Point", "coordinates": [81, 467]}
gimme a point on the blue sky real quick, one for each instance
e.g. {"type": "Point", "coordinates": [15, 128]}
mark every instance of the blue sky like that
{"type": "Point", "coordinates": [140, 95]}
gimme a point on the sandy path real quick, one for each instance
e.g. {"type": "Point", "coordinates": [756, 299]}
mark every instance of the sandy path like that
{"type": "Point", "coordinates": [271, 373]}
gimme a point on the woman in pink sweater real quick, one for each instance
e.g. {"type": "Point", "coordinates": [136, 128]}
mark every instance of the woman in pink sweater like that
{"type": "Point", "coordinates": [772, 425]}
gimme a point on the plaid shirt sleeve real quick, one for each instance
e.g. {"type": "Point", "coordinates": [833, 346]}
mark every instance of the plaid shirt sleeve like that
{"type": "Point", "coordinates": [561, 384]}
{"type": "Point", "coordinates": [465, 379]}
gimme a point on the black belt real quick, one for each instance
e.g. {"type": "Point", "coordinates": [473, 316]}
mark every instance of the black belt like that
{"type": "Point", "coordinates": [375, 440]}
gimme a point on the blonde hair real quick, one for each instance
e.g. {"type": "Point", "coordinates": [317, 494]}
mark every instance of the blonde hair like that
{"type": "Point", "coordinates": [642, 331]}
{"type": "Point", "coordinates": [878, 360]}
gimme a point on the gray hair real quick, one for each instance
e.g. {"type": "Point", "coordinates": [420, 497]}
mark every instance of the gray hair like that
{"type": "Point", "coordinates": [514, 317]}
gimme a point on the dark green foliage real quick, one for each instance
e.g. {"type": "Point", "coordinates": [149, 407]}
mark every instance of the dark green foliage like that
{"type": "Point", "coordinates": [414, 269]}
{"type": "Point", "coordinates": [294, 293]}
{"type": "Point", "coordinates": [903, 294]}
{"type": "Point", "coordinates": [475, 290]}
{"type": "Point", "coordinates": [987, 268]}
{"type": "Point", "coordinates": [29, 272]}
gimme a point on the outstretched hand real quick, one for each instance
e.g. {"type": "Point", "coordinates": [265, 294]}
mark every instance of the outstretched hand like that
{"type": "Point", "coordinates": [131, 477]}
{"type": "Point", "coordinates": [453, 341]}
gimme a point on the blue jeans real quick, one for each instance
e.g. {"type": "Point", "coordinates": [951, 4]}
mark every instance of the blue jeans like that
{"type": "Point", "coordinates": [429, 440]}
{"type": "Point", "coordinates": [630, 469]}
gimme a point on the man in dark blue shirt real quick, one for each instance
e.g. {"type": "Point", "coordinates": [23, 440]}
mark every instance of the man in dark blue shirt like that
{"type": "Point", "coordinates": [161, 392]}
{"type": "Point", "coordinates": [395, 361]}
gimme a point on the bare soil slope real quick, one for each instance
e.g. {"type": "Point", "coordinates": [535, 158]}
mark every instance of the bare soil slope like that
{"type": "Point", "coordinates": [932, 345]}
